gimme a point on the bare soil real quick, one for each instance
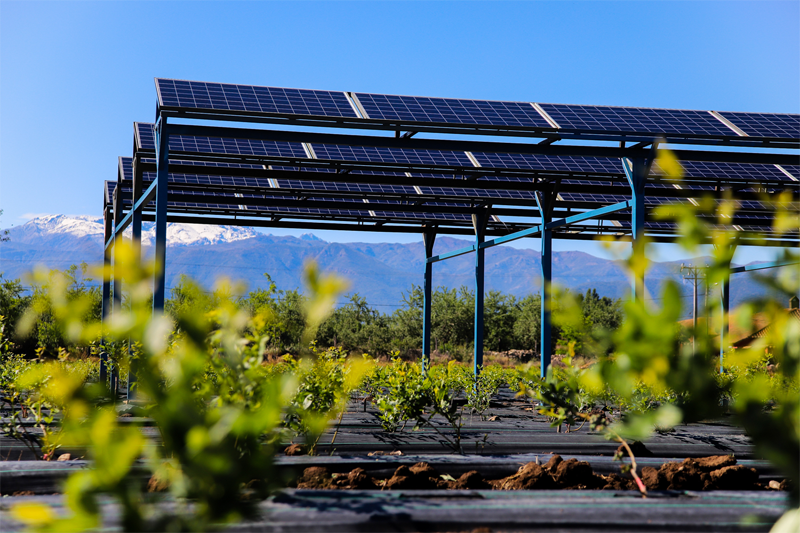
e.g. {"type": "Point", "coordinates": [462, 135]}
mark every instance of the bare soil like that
{"type": "Point", "coordinates": [719, 472]}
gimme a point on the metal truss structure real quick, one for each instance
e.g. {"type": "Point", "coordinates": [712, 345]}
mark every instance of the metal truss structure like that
{"type": "Point", "coordinates": [287, 158]}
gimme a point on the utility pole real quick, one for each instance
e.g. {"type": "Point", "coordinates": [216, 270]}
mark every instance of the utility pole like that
{"type": "Point", "coordinates": [694, 274]}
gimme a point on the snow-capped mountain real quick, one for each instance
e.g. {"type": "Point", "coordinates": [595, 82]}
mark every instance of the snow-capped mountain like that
{"type": "Point", "coordinates": [58, 227]}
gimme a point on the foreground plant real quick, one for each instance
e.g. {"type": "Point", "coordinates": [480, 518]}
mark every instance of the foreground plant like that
{"type": "Point", "coordinates": [219, 414]}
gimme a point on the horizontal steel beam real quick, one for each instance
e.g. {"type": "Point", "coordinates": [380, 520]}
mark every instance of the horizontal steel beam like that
{"type": "Point", "coordinates": [763, 266]}
{"type": "Point", "coordinates": [397, 126]}
{"type": "Point", "coordinates": [533, 230]}
{"type": "Point", "coordinates": [416, 143]}
{"type": "Point", "coordinates": [145, 199]}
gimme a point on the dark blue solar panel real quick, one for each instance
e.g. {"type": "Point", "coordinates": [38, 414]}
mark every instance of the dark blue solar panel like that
{"type": "Point", "coordinates": [603, 199]}
{"type": "Point", "coordinates": [423, 216]}
{"type": "Point", "coordinates": [126, 168]}
{"type": "Point", "coordinates": [794, 170]}
{"type": "Point", "coordinates": [254, 99]}
{"type": "Point", "coordinates": [390, 155]}
{"type": "Point", "coordinates": [478, 193]}
{"type": "Point", "coordinates": [636, 120]}
{"type": "Point", "coordinates": [109, 191]}
{"type": "Point", "coordinates": [145, 135]}
{"type": "Point", "coordinates": [216, 145]}
{"type": "Point", "coordinates": [733, 171]}
{"type": "Point", "coordinates": [781, 125]}
{"type": "Point", "coordinates": [589, 165]}
{"type": "Point", "coordinates": [451, 111]}
{"type": "Point", "coordinates": [332, 186]}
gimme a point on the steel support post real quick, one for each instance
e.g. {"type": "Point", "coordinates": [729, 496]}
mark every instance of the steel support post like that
{"type": "Point", "coordinates": [116, 288]}
{"type": "Point", "coordinates": [547, 278]}
{"type": "Point", "coordinates": [636, 172]}
{"type": "Point", "coordinates": [479, 223]}
{"type": "Point", "coordinates": [136, 243]}
{"type": "Point", "coordinates": [545, 202]}
{"type": "Point", "coordinates": [725, 303]}
{"type": "Point", "coordinates": [162, 173]}
{"type": "Point", "coordinates": [427, 238]}
{"type": "Point", "coordinates": [106, 301]}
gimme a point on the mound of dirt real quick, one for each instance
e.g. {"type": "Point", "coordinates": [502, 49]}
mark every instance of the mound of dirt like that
{"type": "Point", "coordinates": [719, 472]}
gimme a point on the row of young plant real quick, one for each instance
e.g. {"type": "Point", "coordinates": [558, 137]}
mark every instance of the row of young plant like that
{"type": "Point", "coordinates": [223, 414]}
{"type": "Point", "coordinates": [510, 322]}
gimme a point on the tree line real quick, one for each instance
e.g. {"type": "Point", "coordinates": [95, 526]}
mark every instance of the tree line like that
{"type": "Point", "coordinates": [510, 323]}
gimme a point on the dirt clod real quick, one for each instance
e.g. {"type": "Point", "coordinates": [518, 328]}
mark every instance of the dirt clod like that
{"type": "Point", "coordinates": [553, 463]}
{"type": "Point", "coordinates": [295, 449]}
{"type": "Point", "coordinates": [715, 462]}
{"type": "Point", "coordinates": [315, 477]}
{"type": "Point", "coordinates": [653, 479]}
{"type": "Point", "coordinates": [471, 480]}
{"type": "Point", "coordinates": [637, 447]}
{"type": "Point", "coordinates": [574, 473]}
{"type": "Point", "coordinates": [530, 476]}
{"type": "Point", "coordinates": [617, 482]}
{"type": "Point", "coordinates": [736, 477]}
{"type": "Point", "coordinates": [421, 476]}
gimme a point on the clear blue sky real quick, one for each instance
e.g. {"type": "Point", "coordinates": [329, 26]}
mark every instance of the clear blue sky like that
{"type": "Point", "coordinates": [74, 76]}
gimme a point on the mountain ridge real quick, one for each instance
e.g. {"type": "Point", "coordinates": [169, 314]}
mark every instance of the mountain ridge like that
{"type": "Point", "coordinates": [380, 272]}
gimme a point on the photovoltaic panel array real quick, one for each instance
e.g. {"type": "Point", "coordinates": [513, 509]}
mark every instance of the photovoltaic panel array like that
{"type": "Point", "coordinates": [272, 100]}
{"type": "Point", "coordinates": [218, 145]}
{"type": "Point", "coordinates": [465, 191]}
{"type": "Point", "coordinates": [451, 111]}
{"type": "Point", "coordinates": [728, 171]}
{"type": "Point", "coordinates": [343, 187]}
{"type": "Point", "coordinates": [587, 118]}
{"type": "Point", "coordinates": [781, 125]}
{"type": "Point", "coordinates": [583, 165]}
{"type": "Point", "coordinates": [337, 152]}
{"type": "Point", "coordinates": [125, 168]}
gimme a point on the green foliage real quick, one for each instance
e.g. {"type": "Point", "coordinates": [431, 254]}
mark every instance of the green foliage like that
{"type": "Point", "coordinates": [46, 321]}
{"type": "Point", "coordinates": [200, 377]}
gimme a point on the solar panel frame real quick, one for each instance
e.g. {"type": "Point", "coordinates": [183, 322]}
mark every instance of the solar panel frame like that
{"type": "Point", "coordinates": [451, 111]}
{"type": "Point", "coordinates": [636, 120]}
{"type": "Point", "coordinates": [767, 125]}
{"type": "Point", "coordinates": [209, 96]}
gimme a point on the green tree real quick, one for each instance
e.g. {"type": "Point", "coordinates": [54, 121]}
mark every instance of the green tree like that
{"type": "Point", "coordinates": [79, 290]}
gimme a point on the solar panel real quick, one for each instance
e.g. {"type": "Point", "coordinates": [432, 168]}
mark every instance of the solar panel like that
{"type": "Point", "coordinates": [254, 99]}
{"type": "Point", "coordinates": [218, 145]}
{"type": "Point", "coordinates": [109, 191]}
{"type": "Point", "coordinates": [390, 155]}
{"type": "Point", "coordinates": [423, 216]}
{"type": "Point", "coordinates": [125, 165]}
{"type": "Point", "coordinates": [646, 121]}
{"type": "Point", "coordinates": [781, 125]}
{"type": "Point", "coordinates": [451, 111]}
{"type": "Point", "coordinates": [335, 186]}
{"type": "Point", "coordinates": [733, 171]}
{"type": "Point", "coordinates": [479, 193]}
{"type": "Point", "coordinates": [588, 165]}
{"type": "Point", "coordinates": [604, 199]}
{"type": "Point", "coordinates": [794, 170]}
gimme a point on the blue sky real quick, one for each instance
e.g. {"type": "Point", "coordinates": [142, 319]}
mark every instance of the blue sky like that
{"type": "Point", "coordinates": [74, 76]}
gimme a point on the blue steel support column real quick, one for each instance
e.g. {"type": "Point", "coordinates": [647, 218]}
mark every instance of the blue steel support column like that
{"type": "Point", "coordinates": [544, 201]}
{"type": "Point", "coordinates": [725, 303]}
{"type": "Point", "coordinates": [427, 238]}
{"type": "Point", "coordinates": [116, 288]}
{"type": "Point", "coordinates": [136, 243]}
{"type": "Point", "coordinates": [547, 275]}
{"type": "Point", "coordinates": [479, 223]}
{"type": "Point", "coordinates": [635, 170]}
{"type": "Point", "coordinates": [106, 301]}
{"type": "Point", "coordinates": [162, 171]}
